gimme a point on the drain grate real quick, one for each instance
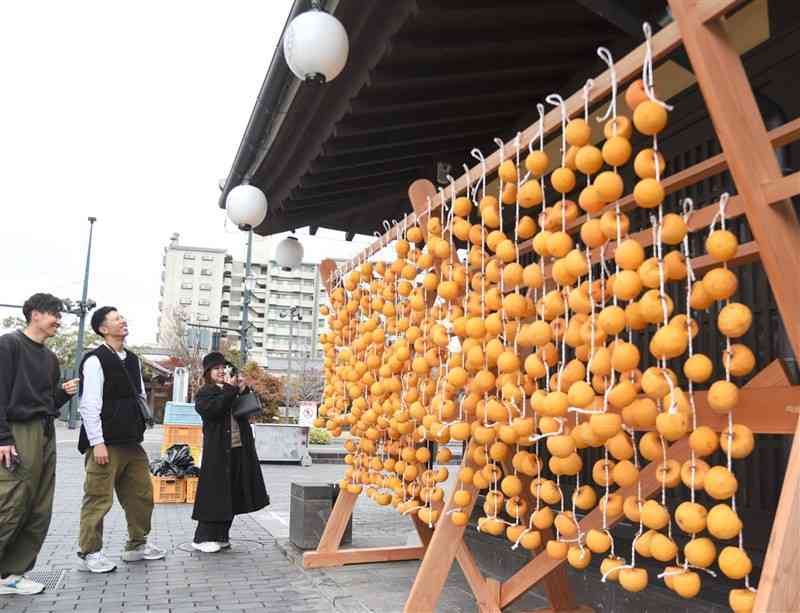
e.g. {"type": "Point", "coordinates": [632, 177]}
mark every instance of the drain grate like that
{"type": "Point", "coordinates": [51, 579]}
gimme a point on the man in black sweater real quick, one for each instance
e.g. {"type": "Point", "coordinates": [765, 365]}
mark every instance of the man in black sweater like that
{"type": "Point", "coordinates": [30, 396]}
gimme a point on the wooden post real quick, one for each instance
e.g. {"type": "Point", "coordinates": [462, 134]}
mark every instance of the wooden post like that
{"type": "Point", "coordinates": [777, 588]}
{"type": "Point", "coordinates": [754, 167]}
{"type": "Point", "coordinates": [444, 546]}
{"type": "Point", "coordinates": [326, 268]}
{"type": "Point", "coordinates": [752, 162]}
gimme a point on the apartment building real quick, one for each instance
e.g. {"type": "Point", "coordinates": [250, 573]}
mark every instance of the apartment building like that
{"type": "Point", "coordinates": [191, 286]}
{"type": "Point", "coordinates": [301, 288]}
{"type": "Point", "coordinates": [207, 287]}
{"type": "Point", "coordinates": [233, 286]}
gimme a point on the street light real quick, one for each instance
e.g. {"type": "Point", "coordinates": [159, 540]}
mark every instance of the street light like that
{"type": "Point", "coordinates": [316, 46]}
{"type": "Point", "coordinates": [81, 308]}
{"type": "Point", "coordinates": [247, 208]}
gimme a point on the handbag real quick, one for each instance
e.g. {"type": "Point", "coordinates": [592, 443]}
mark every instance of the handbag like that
{"type": "Point", "coordinates": [246, 405]}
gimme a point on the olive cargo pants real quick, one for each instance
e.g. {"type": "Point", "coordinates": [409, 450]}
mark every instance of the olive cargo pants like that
{"type": "Point", "coordinates": [127, 472]}
{"type": "Point", "coordinates": [26, 496]}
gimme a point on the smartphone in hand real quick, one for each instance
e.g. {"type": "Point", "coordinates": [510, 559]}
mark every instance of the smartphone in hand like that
{"type": "Point", "coordinates": [15, 462]}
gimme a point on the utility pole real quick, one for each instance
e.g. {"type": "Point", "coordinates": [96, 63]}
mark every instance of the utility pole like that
{"type": "Point", "coordinates": [246, 301]}
{"type": "Point", "coordinates": [84, 308]}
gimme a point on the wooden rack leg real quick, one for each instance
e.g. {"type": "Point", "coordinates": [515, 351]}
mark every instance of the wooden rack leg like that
{"type": "Point", "coordinates": [777, 588]}
{"type": "Point", "coordinates": [444, 547]}
{"type": "Point", "coordinates": [556, 584]}
{"type": "Point", "coordinates": [753, 165]}
{"type": "Point", "coordinates": [328, 552]}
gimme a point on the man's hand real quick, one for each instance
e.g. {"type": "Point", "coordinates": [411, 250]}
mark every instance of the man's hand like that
{"type": "Point", "coordinates": [100, 453]}
{"type": "Point", "coordinates": [6, 452]}
{"type": "Point", "coordinates": [71, 386]}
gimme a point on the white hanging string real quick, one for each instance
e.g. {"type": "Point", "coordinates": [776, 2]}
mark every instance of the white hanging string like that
{"type": "Point", "coordinates": [647, 67]}
{"type": "Point", "coordinates": [478, 155]}
{"type": "Point", "coordinates": [611, 111]}
{"type": "Point", "coordinates": [688, 208]}
{"type": "Point", "coordinates": [501, 150]}
{"type": "Point", "coordinates": [557, 100]}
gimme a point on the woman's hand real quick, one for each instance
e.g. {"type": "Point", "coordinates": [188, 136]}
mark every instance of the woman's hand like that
{"type": "Point", "coordinates": [231, 380]}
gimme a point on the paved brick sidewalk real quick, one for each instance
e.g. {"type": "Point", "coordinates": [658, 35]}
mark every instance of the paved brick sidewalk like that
{"type": "Point", "coordinates": [254, 576]}
{"type": "Point", "coordinates": [262, 572]}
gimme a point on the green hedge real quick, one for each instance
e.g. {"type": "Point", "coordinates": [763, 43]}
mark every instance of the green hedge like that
{"type": "Point", "coordinates": [319, 436]}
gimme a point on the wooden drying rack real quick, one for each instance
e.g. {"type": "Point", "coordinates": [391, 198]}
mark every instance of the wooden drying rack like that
{"type": "Point", "coordinates": [768, 403]}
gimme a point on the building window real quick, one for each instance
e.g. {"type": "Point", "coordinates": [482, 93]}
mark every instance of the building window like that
{"type": "Point", "coordinates": [206, 272]}
{"type": "Point", "coordinates": [186, 301]}
{"type": "Point", "coordinates": [188, 256]}
{"type": "Point", "coordinates": [206, 287]}
{"type": "Point", "coordinates": [202, 317]}
{"type": "Point", "coordinates": [186, 285]}
{"type": "Point", "coordinates": [204, 302]}
{"type": "Point", "coordinates": [188, 270]}
{"type": "Point", "coordinates": [208, 258]}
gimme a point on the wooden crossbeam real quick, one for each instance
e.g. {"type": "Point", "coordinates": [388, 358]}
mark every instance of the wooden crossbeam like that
{"type": "Point", "coordinates": [783, 188]}
{"type": "Point", "coordinates": [340, 557]}
{"type": "Point", "coordinates": [778, 416]}
{"type": "Point", "coordinates": [542, 565]}
{"type": "Point", "coordinates": [770, 410]}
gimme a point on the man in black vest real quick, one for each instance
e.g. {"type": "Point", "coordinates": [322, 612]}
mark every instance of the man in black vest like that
{"type": "Point", "coordinates": [110, 439]}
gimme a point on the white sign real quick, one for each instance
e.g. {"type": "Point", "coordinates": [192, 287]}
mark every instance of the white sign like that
{"type": "Point", "coordinates": [308, 413]}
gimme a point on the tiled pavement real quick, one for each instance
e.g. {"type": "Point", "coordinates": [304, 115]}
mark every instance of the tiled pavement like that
{"type": "Point", "coordinates": [262, 572]}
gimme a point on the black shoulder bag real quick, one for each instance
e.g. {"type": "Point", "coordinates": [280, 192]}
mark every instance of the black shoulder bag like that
{"type": "Point", "coordinates": [144, 409]}
{"type": "Point", "coordinates": [246, 405]}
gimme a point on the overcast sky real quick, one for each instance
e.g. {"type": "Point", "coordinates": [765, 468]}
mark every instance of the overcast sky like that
{"type": "Point", "coordinates": [132, 113]}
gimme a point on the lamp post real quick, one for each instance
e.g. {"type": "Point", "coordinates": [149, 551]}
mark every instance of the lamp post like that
{"type": "Point", "coordinates": [81, 309]}
{"type": "Point", "coordinates": [249, 286]}
{"type": "Point", "coordinates": [291, 314]}
{"type": "Point", "coordinates": [247, 208]}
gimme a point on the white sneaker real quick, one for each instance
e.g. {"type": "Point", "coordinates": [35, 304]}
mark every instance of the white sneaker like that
{"type": "Point", "coordinates": [96, 563]}
{"type": "Point", "coordinates": [207, 547]}
{"type": "Point", "coordinates": [17, 584]}
{"type": "Point", "coordinates": [224, 544]}
{"type": "Point", "coordinates": [144, 552]}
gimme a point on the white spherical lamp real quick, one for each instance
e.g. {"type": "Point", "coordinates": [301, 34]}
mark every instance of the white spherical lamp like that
{"type": "Point", "coordinates": [289, 253]}
{"type": "Point", "coordinates": [246, 206]}
{"type": "Point", "coordinates": [315, 46]}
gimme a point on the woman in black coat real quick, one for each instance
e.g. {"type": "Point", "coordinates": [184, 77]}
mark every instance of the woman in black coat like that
{"type": "Point", "coordinates": [231, 482]}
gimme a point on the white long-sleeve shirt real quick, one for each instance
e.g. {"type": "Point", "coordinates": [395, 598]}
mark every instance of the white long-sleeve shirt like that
{"type": "Point", "coordinates": [92, 397]}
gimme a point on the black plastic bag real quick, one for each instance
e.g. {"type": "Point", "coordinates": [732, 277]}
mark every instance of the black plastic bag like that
{"type": "Point", "coordinates": [177, 461]}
